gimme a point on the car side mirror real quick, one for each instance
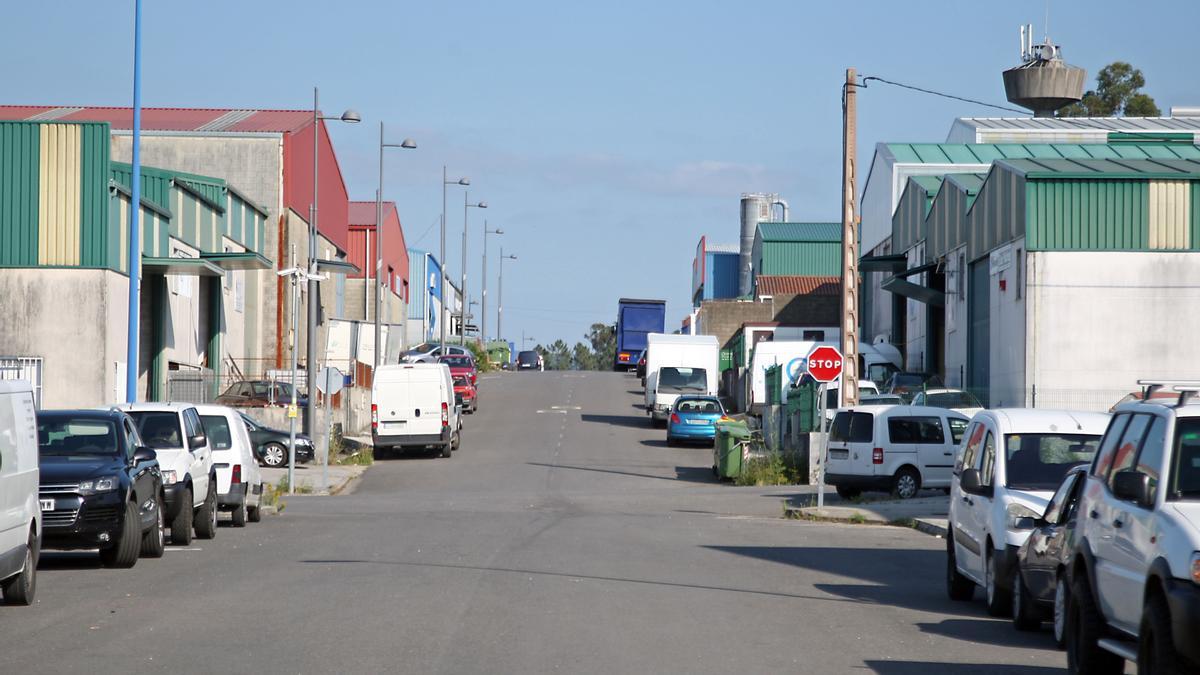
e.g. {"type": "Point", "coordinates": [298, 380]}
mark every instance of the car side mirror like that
{"type": "Point", "coordinates": [197, 441]}
{"type": "Point", "coordinates": [144, 454]}
{"type": "Point", "coordinates": [971, 483]}
{"type": "Point", "coordinates": [1133, 486]}
{"type": "Point", "coordinates": [1026, 523]}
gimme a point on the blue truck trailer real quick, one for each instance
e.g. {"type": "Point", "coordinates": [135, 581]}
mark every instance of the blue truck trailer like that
{"type": "Point", "coordinates": [635, 320]}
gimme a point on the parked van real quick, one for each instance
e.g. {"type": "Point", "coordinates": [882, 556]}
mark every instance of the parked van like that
{"type": "Point", "coordinates": [20, 511]}
{"type": "Point", "coordinates": [678, 365]}
{"type": "Point", "coordinates": [239, 482]}
{"type": "Point", "coordinates": [413, 406]}
{"type": "Point", "coordinates": [896, 448]}
{"type": "Point", "coordinates": [1011, 462]}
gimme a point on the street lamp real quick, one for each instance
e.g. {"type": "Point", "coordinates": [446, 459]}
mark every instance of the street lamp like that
{"type": "Point", "coordinates": [310, 411]}
{"type": "Point", "coordinates": [298, 275]}
{"type": "Point", "coordinates": [500, 298]}
{"type": "Point", "coordinates": [407, 144]}
{"type": "Point", "coordinates": [463, 288]}
{"type": "Point", "coordinates": [442, 254]}
{"type": "Point", "coordinates": [483, 307]}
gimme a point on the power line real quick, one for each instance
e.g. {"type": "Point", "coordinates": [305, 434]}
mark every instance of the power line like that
{"type": "Point", "coordinates": [938, 93]}
{"type": "Point", "coordinates": [435, 222]}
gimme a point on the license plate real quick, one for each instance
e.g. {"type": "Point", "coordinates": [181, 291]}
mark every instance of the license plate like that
{"type": "Point", "coordinates": [47, 504]}
{"type": "Point", "coordinates": [704, 422]}
{"type": "Point", "coordinates": [839, 454]}
{"type": "Point", "coordinates": [394, 425]}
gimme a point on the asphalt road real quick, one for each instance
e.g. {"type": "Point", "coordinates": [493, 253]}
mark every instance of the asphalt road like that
{"type": "Point", "coordinates": [564, 536]}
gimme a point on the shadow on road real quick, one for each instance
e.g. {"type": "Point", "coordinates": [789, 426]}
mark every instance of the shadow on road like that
{"type": "Point", "coordinates": [616, 420]}
{"type": "Point", "coordinates": [50, 561]}
{"type": "Point", "coordinates": [924, 667]}
{"type": "Point", "coordinates": [394, 455]}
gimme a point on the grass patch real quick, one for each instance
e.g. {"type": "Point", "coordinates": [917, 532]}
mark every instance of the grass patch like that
{"type": "Point", "coordinates": [769, 470]}
{"type": "Point", "coordinates": [858, 519]}
{"type": "Point", "coordinates": [273, 495]}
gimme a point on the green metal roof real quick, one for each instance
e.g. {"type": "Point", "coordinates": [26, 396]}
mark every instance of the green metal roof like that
{"type": "Point", "coordinates": [1107, 169]}
{"type": "Point", "coordinates": [930, 183]}
{"type": "Point", "coordinates": [986, 153]}
{"type": "Point", "coordinates": [800, 231]}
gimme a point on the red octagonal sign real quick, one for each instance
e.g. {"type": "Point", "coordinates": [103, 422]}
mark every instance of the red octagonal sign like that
{"type": "Point", "coordinates": [825, 363]}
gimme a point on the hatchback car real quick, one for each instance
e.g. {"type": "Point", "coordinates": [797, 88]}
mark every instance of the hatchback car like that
{"type": "Point", "coordinates": [239, 483]}
{"type": "Point", "coordinates": [101, 487]}
{"type": "Point", "coordinates": [529, 360]}
{"type": "Point", "coordinates": [271, 445]}
{"type": "Point", "coordinates": [694, 418]}
{"type": "Point", "coordinates": [955, 399]}
{"type": "Point", "coordinates": [429, 352]}
{"type": "Point", "coordinates": [462, 365]}
{"type": "Point", "coordinates": [260, 394]}
{"type": "Point", "coordinates": [467, 393]}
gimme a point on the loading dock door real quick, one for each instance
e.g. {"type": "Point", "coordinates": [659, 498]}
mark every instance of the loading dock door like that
{"type": "Point", "coordinates": [979, 332]}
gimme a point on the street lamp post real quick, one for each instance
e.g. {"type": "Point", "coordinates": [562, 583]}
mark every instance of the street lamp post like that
{"type": "Point", "coordinates": [442, 255]}
{"type": "Point", "coordinates": [407, 144]}
{"type": "Point", "coordinates": [483, 307]}
{"type": "Point", "coordinates": [500, 296]}
{"type": "Point", "coordinates": [462, 329]}
{"type": "Point", "coordinates": [310, 411]}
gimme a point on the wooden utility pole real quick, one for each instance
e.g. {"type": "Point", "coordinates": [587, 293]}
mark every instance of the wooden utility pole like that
{"type": "Point", "coordinates": [850, 374]}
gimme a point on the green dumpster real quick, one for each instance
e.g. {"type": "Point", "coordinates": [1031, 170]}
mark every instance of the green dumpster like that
{"type": "Point", "coordinates": [727, 450]}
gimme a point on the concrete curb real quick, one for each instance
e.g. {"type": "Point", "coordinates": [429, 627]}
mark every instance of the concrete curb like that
{"type": "Point", "coordinates": [932, 525]}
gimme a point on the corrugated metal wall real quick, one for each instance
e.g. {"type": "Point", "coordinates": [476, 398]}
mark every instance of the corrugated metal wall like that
{"type": "Point", "coordinates": [946, 221]}
{"type": "Point", "coordinates": [808, 258]}
{"type": "Point", "coordinates": [96, 236]}
{"type": "Point", "coordinates": [1170, 215]}
{"type": "Point", "coordinates": [1092, 215]}
{"type": "Point", "coordinates": [19, 163]}
{"type": "Point", "coordinates": [908, 223]}
{"type": "Point", "coordinates": [998, 214]}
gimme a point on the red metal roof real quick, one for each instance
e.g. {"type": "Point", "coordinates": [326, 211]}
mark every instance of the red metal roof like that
{"type": "Point", "coordinates": [227, 120]}
{"type": "Point", "coordinates": [798, 285]}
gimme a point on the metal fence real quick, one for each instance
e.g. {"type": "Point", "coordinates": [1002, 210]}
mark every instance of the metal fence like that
{"type": "Point", "coordinates": [27, 368]}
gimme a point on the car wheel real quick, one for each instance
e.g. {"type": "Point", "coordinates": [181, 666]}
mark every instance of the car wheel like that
{"type": "Point", "coordinates": [206, 515]}
{"type": "Point", "coordinates": [1085, 627]}
{"type": "Point", "coordinates": [447, 449]}
{"type": "Point", "coordinates": [958, 587]}
{"type": "Point", "coordinates": [847, 492]}
{"type": "Point", "coordinates": [154, 541]}
{"type": "Point", "coordinates": [1062, 596]}
{"type": "Point", "coordinates": [1025, 613]}
{"type": "Point", "coordinates": [239, 515]}
{"type": "Point", "coordinates": [20, 589]}
{"type": "Point", "coordinates": [124, 552]}
{"type": "Point", "coordinates": [906, 483]}
{"type": "Point", "coordinates": [181, 524]}
{"type": "Point", "coordinates": [275, 455]}
{"type": "Point", "coordinates": [999, 601]}
{"type": "Point", "coordinates": [1156, 647]}
{"type": "Point", "coordinates": [456, 440]}
{"type": "Point", "coordinates": [254, 513]}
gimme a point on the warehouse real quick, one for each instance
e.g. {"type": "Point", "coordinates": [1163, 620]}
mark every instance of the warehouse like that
{"type": "Point", "coordinates": [714, 272]}
{"type": "Point", "coordinates": [1013, 268]}
{"type": "Point", "coordinates": [65, 253]}
{"type": "Point", "coordinates": [360, 285]}
{"type": "Point", "coordinates": [425, 297]}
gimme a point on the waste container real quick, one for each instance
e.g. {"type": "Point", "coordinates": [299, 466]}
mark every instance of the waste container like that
{"type": "Point", "coordinates": [727, 450]}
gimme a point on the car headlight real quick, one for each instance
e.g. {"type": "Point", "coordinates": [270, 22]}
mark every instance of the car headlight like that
{"type": "Point", "coordinates": [98, 485]}
{"type": "Point", "coordinates": [168, 477]}
{"type": "Point", "coordinates": [1195, 568]}
{"type": "Point", "coordinates": [1015, 513]}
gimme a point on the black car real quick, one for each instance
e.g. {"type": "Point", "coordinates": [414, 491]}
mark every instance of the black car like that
{"type": "Point", "coordinates": [271, 445]}
{"type": "Point", "coordinates": [1040, 587]}
{"type": "Point", "coordinates": [529, 360]}
{"type": "Point", "coordinates": [100, 486]}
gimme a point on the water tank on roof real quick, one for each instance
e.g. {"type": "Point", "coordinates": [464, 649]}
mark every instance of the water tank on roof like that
{"type": "Point", "coordinates": [757, 207]}
{"type": "Point", "coordinates": [1043, 82]}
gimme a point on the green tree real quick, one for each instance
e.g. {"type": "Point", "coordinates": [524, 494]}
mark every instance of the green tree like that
{"type": "Point", "coordinates": [582, 358]}
{"type": "Point", "coordinates": [603, 338]}
{"type": "Point", "coordinates": [1117, 94]}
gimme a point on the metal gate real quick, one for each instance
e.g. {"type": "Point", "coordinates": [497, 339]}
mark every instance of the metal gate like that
{"type": "Point", "coordinates": [979, 332]}
{"type": "Point", "coordinates": [24, 368]}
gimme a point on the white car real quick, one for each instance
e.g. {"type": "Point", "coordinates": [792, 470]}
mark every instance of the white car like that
{"type": "Point", "coordinates": [239, 481]}
{"type": "Point", "coordinates": [413, 405]}
{"type": "Point", "coordinates": [176, 434]}
{"type": "Point", "coordinates": [20, 511]}
{"type": "Point", "coordinates": [955, 399]}
{"type": "Point", "coordinates": [1009, 465]}
{"type": "Point", "coordinates": [1135, 575]}
{"type": "Point", "coordinates": [894, 448]}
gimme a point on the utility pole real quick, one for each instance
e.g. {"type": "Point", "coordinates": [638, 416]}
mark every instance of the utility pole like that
{"type": "Point", "coordinates": [850, 374]}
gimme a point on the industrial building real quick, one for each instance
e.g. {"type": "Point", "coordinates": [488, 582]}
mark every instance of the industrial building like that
{"type": "Point", "coordinates": [714, 272]}
{"type": "Point", "coordinates": [425, 299]}
{"type": "Point", "coordinates": [64, 237]}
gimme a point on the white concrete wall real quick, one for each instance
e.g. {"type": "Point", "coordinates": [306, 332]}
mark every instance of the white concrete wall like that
{"type": "Point", "coordinates": [84, 355]}
{"type": "Point", "coordinates": [1008, 329]}
{"type": "Point", "coordinates": [956, 318]}
{"type": "Point", "coordinates": [1101, 321]}
{"type": "Point", "coordinates": [916, 354]}
{"type": "Point", "coordinates": [879, 320]}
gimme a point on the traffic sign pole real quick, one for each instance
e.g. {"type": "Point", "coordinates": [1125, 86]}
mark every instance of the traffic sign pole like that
{"type": "Point", "coordinates": [824, 364]}
{"type": "Point", "coordinates": [822, 450]}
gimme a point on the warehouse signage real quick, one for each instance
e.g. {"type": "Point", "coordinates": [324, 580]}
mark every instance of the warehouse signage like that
{"type": "Point", "coordinates": [1000, 259]}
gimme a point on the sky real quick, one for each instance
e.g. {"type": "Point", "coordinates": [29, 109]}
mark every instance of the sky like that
{"type": "Point", "coordinates": [607, 137]}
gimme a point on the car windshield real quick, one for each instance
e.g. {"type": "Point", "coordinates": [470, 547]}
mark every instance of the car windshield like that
{"type": "Point", "coordinates": [457, 361]}
{"type": "Point", "coordinates": [1185, 463]}
{"type": "Point", "coordinates": [1040, 461]}
{"type": "Point", "coordinates": [423, 348]}
{"type": "Point", "coordinates": [527, 357]}
{"type": "Point", "coordinates": [159, 429]}
{"type": "Point", "coordinates": [952, 399]}
{"type": "Point", "coordinates": [699, 406]}
{"type": "Point", "coordinates": [216, 427]}
{"type": "Point", "coordinates": [682, 379]}
{"type": "Point", "coordinates": [67, 436]}
{"type": "Point", "coordinates": [461, 382]}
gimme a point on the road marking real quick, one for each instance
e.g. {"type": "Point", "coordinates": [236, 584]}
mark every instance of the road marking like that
{"type": "Point", "coordinates": [183, 548]}
{"type": "Point", "coordinates": [565, 407]}
{"type": "Point", "coordinates": [547, 412]}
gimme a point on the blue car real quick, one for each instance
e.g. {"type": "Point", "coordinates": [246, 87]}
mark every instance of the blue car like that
{"type": "Point", "coordinates": [694, 418]}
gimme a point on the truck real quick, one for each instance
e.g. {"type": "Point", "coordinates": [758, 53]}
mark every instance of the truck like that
{"type": "Point", "coordinates": [793, 356]}
{"type": "Point", "coordinates": [635, 320]}
{"type": "Point", "coordinates": [677, 365]}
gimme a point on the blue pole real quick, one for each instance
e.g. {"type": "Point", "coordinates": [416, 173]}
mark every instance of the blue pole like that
{"type": "Point", "coordinates": [135, 208]}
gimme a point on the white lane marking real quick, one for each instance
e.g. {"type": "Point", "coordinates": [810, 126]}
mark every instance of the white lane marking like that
{"type": "Point", "coordinates": [565, 407]}
{"type": "Point", "coordinates": [183, 548]}
{"type": "Point", "coordinates": [548, 412]}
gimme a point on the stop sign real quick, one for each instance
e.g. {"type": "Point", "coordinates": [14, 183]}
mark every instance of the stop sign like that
{"type": "Point", "coordinates": [825, 363]}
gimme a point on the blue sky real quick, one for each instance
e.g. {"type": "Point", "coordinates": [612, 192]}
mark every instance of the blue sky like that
{"type": "Point", "coordinates": [606, 137]}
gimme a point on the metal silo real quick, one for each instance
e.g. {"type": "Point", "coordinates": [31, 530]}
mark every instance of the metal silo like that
{"type": "Point", "coordinates": [757, 207]}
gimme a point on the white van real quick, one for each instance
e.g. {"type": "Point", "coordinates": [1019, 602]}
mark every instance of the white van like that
{"type": "Point", "coordinates": [1011, 462]}
{"type": "Point", "coordinates": [239, 482]}
{"type": "Point", "coordinates": [20, 511]}
{"type": "Point", "coordinates": [894, 448]}
{"type": "Point", "coordinates": [413, 406]}
{"type": "Point", "coordinates": [678, 365]}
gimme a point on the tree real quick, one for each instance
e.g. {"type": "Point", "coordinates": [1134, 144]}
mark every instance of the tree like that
{"type": "Point", "coordinates": [582, 358]}
{"type": "Point", "coordinates": [557, 355]}
{"type": "Point", "coordinates": [1117, 94]}
{"type": "Point", "coordinates": [603, 338]}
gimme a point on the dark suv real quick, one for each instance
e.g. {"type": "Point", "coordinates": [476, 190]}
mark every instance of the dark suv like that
{"type": "Point", "coordinates": [100, 486]}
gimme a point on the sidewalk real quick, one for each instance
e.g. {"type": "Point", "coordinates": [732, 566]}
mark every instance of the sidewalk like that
{"type": "Point", "coordinates": [927, 514]}
{"type": "Point", "coordinates": [308, 477]}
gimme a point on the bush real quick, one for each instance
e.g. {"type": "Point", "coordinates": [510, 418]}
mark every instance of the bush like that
{"type": "Point", "coordinates": [769, 470]}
